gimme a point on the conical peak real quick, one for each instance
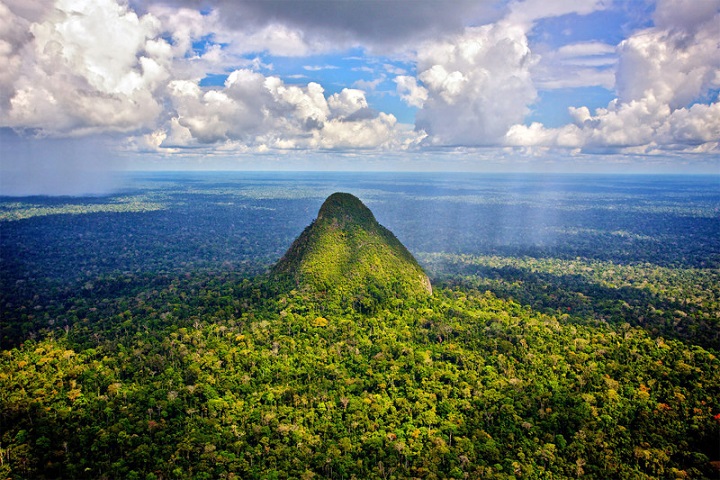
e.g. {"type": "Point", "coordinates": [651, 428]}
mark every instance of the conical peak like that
{"type": "Point", "coordinates": [345, 208]}
{"type": "Point", "coordinates": [347, 255]}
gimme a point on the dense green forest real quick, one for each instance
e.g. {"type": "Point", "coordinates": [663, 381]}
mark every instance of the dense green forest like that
{"type": "Point", "coordinates": [347, 258]}
{"type": "Point", "coordinates": [143, 338]}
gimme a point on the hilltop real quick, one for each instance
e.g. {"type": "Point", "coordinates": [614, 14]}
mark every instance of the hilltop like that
{"type": "Point", "coordinates": [347, 255]}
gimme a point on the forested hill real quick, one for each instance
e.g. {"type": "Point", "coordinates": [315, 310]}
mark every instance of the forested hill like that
{"type": "Point", "coordinates": [346, 256]}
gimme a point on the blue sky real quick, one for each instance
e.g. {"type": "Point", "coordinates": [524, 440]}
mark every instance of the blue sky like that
{"type": "Point", "coordinates": [512, 85]}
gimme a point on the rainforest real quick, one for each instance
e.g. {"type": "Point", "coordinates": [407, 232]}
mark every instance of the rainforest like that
{"type": "Point", "coordinates": [200, 325]}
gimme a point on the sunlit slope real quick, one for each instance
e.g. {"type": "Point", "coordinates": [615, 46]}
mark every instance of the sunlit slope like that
{"type": "Point", "coordinates": [345, 253]}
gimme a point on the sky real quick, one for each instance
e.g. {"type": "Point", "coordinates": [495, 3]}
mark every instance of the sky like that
{"type": "Point", "coordinates": [89, 87]}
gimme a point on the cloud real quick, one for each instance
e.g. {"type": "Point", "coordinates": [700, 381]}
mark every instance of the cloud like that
{"type": "Point", "coordinates": [14, 36]}
{"type": "Point", "coordinates": [684, 15]}
{"type": "Point", "coordinates": [30, 10]}
{"type": "Point", "coordinates": [318, 68]}
{"type": "Point", "coordinates": [83, 67]}
{"type": "Point", "coordinates": [664, 76]}
{"type": "Point", "coordinates": [672, 64]}
{"type": "Point", "coordinates": [254, 110]}
{"type": "Point", "coordinates": [332, 24]}
{"type": "Point", "coordinates": [526, 12]}
{"type": "Point", "coordinates": [394, 69]}
{"type": "Point", "coordinates": [186, 24]}
{"type": "Point", "coordinates": [585, 64]}
{"type": "Point", "coordinates": [369, 85]}
{"type": "Point", "coordinates": [585, 49]}
{"type": "Point", "coordinates": [410, 92]}
{"type": "Point", "coordinates": [473, 86]}
{"type": "Point", "coordinates": [640, 126]}
{"type": "Point", "coordinates": [93, 66]}
{"type": "Point", "coordinates": [276, 39]}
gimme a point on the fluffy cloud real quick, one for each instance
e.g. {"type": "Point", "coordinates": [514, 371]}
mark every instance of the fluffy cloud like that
{"type": "Point", "coordinates": [83, 66]}
{"type": "Point", "coordinates": [410, 92]}
{"type": "Point", "coordinates": [89, 66]}
{"type": "Point", "coordinates": [662, 73]}
{"type": "Point", "coordinates": [14, 36]}
{"type": "Point", "coordinates": [255, 110]}
{"type": "Point", "coordinates": [77, 67]}
{"type": "Point", "coordinates": [474, 86]}
{"type": "Point", "coordinates": [644, 126]}
{"type": "Point", "coordinates": [676, 64]}
{"type": "Point", "coordinates": [684, 15]}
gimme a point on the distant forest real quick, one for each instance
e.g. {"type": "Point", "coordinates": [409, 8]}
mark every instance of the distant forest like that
{"type": "Point", "coordinates": [572, 332]}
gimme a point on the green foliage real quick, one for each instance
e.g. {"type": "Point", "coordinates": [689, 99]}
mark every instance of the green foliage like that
{"type": "Point", "coordinates": [20, 211]}
{"type": "Point", "coordinates": [346, 259]}
{"type": "Point", "coordinates": [679, 303]}
{"type": "Point", "coordinates": [141, 344]}
{"type": "Point", "coordinates": [461, 383]}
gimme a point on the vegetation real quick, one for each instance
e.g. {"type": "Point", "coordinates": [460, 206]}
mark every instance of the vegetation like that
{"type": "Point", "coordinates": [679, 303]}
{"type": "Point", "coordinates": [345, 255]}
{"type": "Point", "coordinates": [462, 383]}
{"type": "Point", "coordinates": [150, 345]}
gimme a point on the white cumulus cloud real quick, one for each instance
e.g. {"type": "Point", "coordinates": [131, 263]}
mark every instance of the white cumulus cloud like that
{"type": "Point", "coordinates": [254, 110]}
{"type": "Point", "coordinates": [84, 66]}
{"type": "Point", "coordinates": [473, 86]}
{"type": "Point", "coordinates": [667, 80]}
{"type": "Point", "coordinates": [410, 92]}
{"type": "Point", "coordinates": [78, 67]}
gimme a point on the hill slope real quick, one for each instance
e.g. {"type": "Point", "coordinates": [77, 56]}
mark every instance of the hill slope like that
{"type": "Point", "coordinates": [346, 254]}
